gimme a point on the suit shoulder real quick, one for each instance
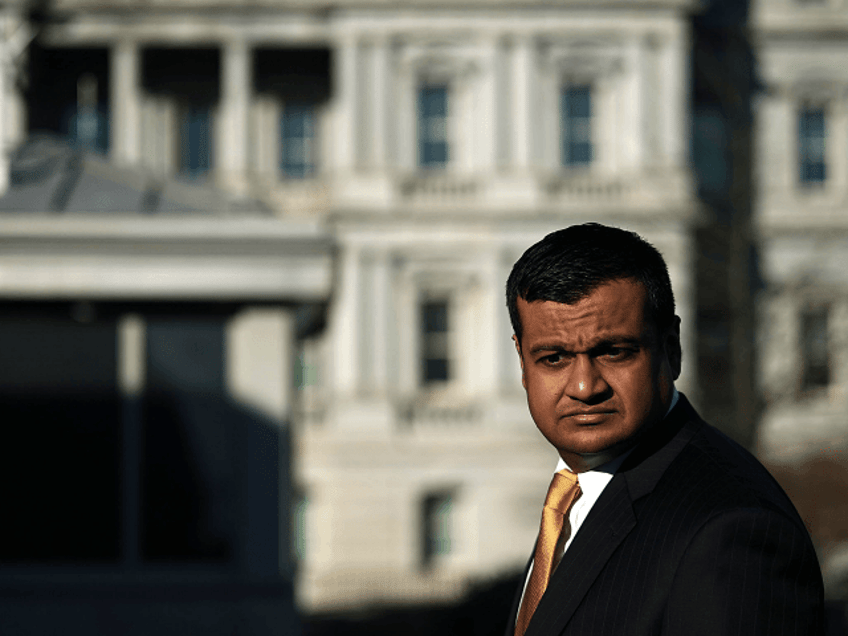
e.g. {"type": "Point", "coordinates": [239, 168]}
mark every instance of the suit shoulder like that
{"type": "Point", "coordinates": [724, 477]}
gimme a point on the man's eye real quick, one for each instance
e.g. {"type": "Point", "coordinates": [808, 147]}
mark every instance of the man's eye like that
{"type": "Point", "coordinates": [616, 353]}
{"type": "Point", "coordinates": [554, 358]}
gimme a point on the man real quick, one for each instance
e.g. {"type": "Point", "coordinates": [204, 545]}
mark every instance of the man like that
{"type": "Point", "coordinates": [655, 522]}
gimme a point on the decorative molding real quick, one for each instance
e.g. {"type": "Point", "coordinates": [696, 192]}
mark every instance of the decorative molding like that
{"type": "Point", "coordinates": [439, 62]}
{"type": "Point", "coordinates": [581, 61]}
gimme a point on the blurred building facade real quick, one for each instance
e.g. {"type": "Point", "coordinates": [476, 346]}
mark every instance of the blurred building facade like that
{"type": "Point", "coordinates": [330, 198]}
{"type": "Point", "coordinates": [801, 219]}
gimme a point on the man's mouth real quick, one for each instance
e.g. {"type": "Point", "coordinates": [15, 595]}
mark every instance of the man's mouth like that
{"type": "Point", "coordinates": [589, 416]}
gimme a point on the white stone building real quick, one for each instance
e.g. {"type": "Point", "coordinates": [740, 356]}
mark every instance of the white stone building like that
{"type": "Point", "coordinates": [801, 218]}
{"type": "Point", "coordinates": [434, 142]}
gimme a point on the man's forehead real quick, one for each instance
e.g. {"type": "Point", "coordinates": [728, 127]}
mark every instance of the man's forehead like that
{"type": "Point", "coordinates": [625, 293]}
{"type": "Point", "coordinates": [614, 312]}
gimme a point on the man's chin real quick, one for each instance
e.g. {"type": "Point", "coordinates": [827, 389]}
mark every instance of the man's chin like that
{"type": "Point", "coordinates": [592, 454]}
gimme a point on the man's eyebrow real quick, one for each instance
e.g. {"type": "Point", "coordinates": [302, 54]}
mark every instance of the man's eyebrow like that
{"type": "Point", "coordinates": [617, 341]}
{"type": "Point", "coordinates": [603, 343]}
{"type": "Point", "coordinates": [547, 347]}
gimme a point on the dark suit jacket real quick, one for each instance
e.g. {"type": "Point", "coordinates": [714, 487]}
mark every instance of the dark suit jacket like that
{"type": "Point", "coordinates": [692, 537]}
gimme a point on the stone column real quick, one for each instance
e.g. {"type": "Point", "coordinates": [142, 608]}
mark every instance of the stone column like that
{"type": "Point", "coordinates": [785, 146]}
{"type": "Point", "coordinates": [522, 98]}
{"type": "Point", "coordinates": [381, 325]}
{"type": "Point", "coordinates": [344, 78]}
{"type": "Point", "coordinates": [634, 132]}
{"type": "Point", "coordinates": [653, 107]}
{"type": "Point", "coordinates": [380, 107]}
{"type": "Point", "coordinates": [346, 324]}
{"type": "Point", "coordinates": [674, 134]}
{"type": "Point", "coordinates": [406, 144]}
{"type": "Point", "coordinates": [231, 154]}
{"type": "Point", "coordinates": [486, 138]}
{"type": "Point", "coordinates": [5, 83]}
{"type": "Point", "coordinates": [125, 103]}
{"type": "Point", "coordinates": [836, 150]}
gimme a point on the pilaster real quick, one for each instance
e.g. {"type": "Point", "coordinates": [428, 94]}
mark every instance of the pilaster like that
{"type": "Point", "coordinates": [521, 106]}
{"type": "Point", "coordinates": [125, 103]}
{"type": "Point", "coordinates": [381, 110]}
{"type": "Point", "coordinates": [235, 98]}
{"type": "Point", "coordinates": [673, 105]}
{"type": "Point", "coordinates": [346, 58]}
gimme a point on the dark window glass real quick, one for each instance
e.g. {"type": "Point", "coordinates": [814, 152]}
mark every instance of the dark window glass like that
{"type": "Point", "coordinates": [297, 139]}
{"type": "Point", "coordinates": [576, 125]}
{"type": "Point", "coordinates": [436, 527]}
{"type": "Point", "coordinates": [815, 349]}
{"type": "Point", "coordinates": [812, 135]}
{"type": "Point", "coordinates": [434, 341]}
{"type": "Point", "coordinates": [195, 140]}
{"type": "Point", "coordinates": [433, 126]}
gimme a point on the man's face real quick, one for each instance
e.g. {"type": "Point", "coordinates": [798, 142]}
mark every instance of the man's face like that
{"type": "Point", "coordinates": [596, 372]}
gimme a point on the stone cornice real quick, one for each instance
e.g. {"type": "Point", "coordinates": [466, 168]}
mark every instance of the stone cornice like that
{"type": "Point", "coordinates": [325, 5]}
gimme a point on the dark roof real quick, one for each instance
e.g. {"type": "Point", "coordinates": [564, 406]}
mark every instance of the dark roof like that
{"type": "Point", "coordinates": [48, 175]}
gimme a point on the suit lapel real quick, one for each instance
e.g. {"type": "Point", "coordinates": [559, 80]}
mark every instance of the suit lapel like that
{"type": "Point", "coordinates": [513, 613]}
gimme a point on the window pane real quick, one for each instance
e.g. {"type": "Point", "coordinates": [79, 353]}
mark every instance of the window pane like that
{"type": "Point", "coordinates": [433, 126]}
{"type": "Point", "coordinates": [434, 341]}
{"type": "Point", "coordinates": [815, 349]}
{"type": "Point", "coordinates": [576, 125]}
{"type": "Point", "coordinates": [812, 134]}
{"type": "Point", "coordinates": [578, 101]}
{"type": "Point", "coordinates": [195, 142]}
{"type": "Point", "coordinates": [297, 134]}
{"type": "Point", "coordinates": [436, 525]}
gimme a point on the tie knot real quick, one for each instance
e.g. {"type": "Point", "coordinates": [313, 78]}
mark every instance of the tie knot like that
{"type": "Point", "coordinates": [563, 491]}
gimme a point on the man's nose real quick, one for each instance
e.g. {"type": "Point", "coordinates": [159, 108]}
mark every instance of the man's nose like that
{"type": "Point", "coordinates": [585, 382]}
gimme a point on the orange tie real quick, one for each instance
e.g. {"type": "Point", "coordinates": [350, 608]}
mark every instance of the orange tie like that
{"type": "Point", "coordinates": [563, 492]}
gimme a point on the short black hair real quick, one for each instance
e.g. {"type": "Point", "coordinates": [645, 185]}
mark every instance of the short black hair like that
{"type": "Point", "coordinates": [569, 264]}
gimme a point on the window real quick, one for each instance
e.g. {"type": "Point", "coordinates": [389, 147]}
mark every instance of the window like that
{"type": "Point", "coordinates": [433, 126]}
{"type": "Point", "coordinates": [195, 140]}
{"type": "Point", "coordinates": [434, 341]}
{"type": "Point", "coordinates": [815, 370]}
{"type": "Point", "coordinates": [437, 513]}
{"type": "Point", "coordinates": [811, 145]}
{"type": "Point", "coordinates": [88, 121]}
{"type": "Point", "coordinates": [297, 140]}
{"type": "Point", "coordinates": [576, 125]}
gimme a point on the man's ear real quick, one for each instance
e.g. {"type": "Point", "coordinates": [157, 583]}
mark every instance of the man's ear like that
{"type": "Point", "coordinates": [672, 347]}
{"type": "Point", "coordinates": [520, 360]}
